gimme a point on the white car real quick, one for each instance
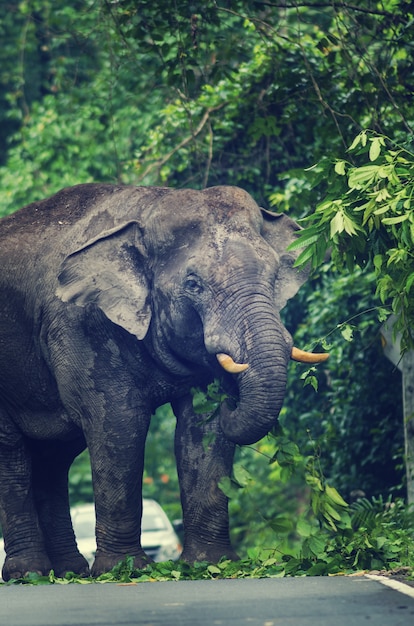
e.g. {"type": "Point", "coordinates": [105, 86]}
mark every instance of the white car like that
{"type": "Point", "coordinates": [158, 537]}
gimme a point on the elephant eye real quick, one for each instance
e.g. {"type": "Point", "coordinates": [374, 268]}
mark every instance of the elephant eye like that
{"type": "Point", "coordinates": [193, 284]}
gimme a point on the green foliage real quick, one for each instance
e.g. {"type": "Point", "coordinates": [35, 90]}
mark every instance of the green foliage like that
{"type": "Point", "coordinates": [160, 471]}
{"type": "Point", "coordinates": [209, 401]}
{"type": "Point", "coordinates": [80, 480]}
{"type": "Point", "coordinates": [324, 535]}
{"type": "Point", "coordinates": [355, 420]}
{"type": "Point", "coordinates": [203, 94]}
{"type": "Point", "coordinates": [381, 535]}
{"type": "Point", "coordinates": [186, 41]}
{"type": "Point", "coordinates": [366, 219]}
{"type": "Point", "coordinates": [75, 116]}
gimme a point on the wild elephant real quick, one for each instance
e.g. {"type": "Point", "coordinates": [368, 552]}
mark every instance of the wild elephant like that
{"type": "Point", "coordinates": [114, 301]}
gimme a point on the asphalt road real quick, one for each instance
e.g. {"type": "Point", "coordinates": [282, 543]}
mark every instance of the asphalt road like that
{"type": "Point", "coordinates": [330, 601]}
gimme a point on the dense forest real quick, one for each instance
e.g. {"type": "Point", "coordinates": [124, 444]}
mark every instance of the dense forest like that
{"type": "Point", "coordinates": [268, 96]}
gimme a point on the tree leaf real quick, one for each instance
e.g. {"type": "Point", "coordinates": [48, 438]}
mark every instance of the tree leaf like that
{"type": "Point", "coordinates": [306, 238]}
{"type": "Point", "coordinates": [349, 225]}
{"type": "Point", "coordinates": [362, 175]}
{"type": "Point", "coordinates": [347, 332]}
{"type": "Point", "coordinates": [340, 168]}
{"type": "Point", "coordinates": [378, 261]}
{"type": "Point", "coordinates": [229, 487]}
{"type": "Point", "coordinates": [356, 142]}
{"type": "Point", "coordinates": [337, 224]}
{"type": "Point", "coordinates": [281, 524]}
{"type": "Point", "coordinates": [375, 148]}
{"type": "Point", "coordinates": [241, 475]}
{"type": "Point", "coordinates": [334, 496]}
{"type": "Point", "coordinates": [409, 283]}
{"type": "Point", "coordinates": [304, 257]}
{"type": "Point", "coordinates": [395, 220]}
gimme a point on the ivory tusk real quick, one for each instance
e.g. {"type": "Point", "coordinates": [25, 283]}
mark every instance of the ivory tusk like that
{"type": "Point", "coordinates": [229, 365]}
{"type": "Point", "coordinates": [308, 357]}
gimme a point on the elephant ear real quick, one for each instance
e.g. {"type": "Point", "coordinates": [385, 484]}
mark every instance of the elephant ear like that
{"type": "Point", "coordinates": [280, 231]}
{"type": "Point", "coordinates": [108, 271]}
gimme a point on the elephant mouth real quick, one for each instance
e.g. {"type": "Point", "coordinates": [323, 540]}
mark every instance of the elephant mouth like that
{"type": "Point", "coordinates": [301, 356]}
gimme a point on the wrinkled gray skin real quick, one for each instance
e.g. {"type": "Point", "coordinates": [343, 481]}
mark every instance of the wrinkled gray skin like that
{"type": "Point", "coordinates": [115, 300]}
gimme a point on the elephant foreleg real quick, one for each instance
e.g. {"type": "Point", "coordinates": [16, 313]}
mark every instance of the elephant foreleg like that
{"type": "Point", "coordinates": [204, 456]}
{"type": "Point", "coordinates": [117, 455]}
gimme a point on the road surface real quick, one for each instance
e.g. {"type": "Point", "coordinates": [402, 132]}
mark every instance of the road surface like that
{"type": "Point", "coordinates": [322, 601]}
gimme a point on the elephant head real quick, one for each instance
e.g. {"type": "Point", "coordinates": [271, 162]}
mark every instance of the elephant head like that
{"type": "Point", "coordinates": [199, 277]}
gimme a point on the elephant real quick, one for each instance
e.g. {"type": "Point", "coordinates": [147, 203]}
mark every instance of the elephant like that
{"type": "Point", "coordinates": [116, 299]}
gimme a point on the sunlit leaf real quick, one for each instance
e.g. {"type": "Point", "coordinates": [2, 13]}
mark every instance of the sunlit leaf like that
{"type": "Point", "coordinates": [359, 176]}
{"type": "Point", "coordinates": [334, 496]}
{"type": "Point", "coordinates": [375, 148]}
{"type": "Point", "coordinates": [347, 332]}
{"type": "Point", "coordinates": [337, 225]}
{"type": "Point", "coordinates": [395, 220]}
{"type": "Point", "coordinates": [304, 257]}
{"type": "Point", "coordinates": [382, 195]}
{"type": "Point", "coordinates": [378, 261]}
{"type": "Point", "coordinates": [355, 142]}
{"type": "Point", "coordinates": [340, 168]}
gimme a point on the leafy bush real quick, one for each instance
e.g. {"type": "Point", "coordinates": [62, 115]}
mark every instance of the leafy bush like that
{"type": "Point", "coordinates": [366, 218]}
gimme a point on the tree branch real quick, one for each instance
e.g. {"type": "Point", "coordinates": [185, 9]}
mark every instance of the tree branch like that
{"type": "Point", "coordinates": [158, 164]}
{"type": "Point", "coordinates": [325, 5]}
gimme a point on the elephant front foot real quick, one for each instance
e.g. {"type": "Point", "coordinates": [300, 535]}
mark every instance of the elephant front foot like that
{"type": "Point", "coordinates": [76, 564]}
{"type": "Point", "coordinates": [104, 562]}
{"type": "Point", "coordinates": [16, 567]}
{"type": "Point", "coordinates": [195, 551]}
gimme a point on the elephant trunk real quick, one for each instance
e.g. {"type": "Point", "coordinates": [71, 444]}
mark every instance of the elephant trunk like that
{"type": "Point", "coordinates": [261, 387]}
